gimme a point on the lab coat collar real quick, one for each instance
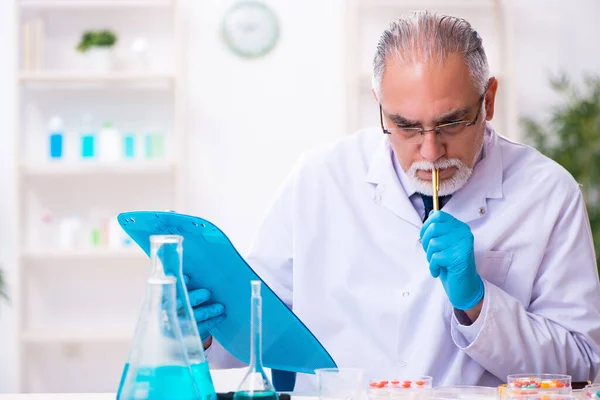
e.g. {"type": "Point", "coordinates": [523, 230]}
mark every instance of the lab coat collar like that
{"type": "Point", "coordinates": [467, 204]}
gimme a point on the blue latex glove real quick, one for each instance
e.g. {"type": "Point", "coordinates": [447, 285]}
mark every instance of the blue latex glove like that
{"type": "Point", "coordinates": [448, 243]}
{"type": "Point", "coordinates": [207, 316]}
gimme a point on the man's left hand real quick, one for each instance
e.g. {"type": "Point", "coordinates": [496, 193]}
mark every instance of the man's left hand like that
{"type": "Point", "coordinates": [448, 243]}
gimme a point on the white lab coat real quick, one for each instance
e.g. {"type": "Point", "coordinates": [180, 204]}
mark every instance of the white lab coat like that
{"type": "Point", "coordinates": [341, 245]}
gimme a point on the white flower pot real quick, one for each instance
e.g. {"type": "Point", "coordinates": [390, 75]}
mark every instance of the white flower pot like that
{"type": "Point", "coordinates": [99, 59]}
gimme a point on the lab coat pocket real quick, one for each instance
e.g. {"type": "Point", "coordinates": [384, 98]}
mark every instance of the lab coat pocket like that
{"type": "Point", "coordinates": [493, 266]}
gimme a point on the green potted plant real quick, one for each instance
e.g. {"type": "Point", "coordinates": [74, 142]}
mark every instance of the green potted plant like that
{"type": "Point", "coordinates": [97, 47]}
{"type": "Point", "coordinates": [571, 137]}
{"type": "Point", "coordinates": [3, 294]}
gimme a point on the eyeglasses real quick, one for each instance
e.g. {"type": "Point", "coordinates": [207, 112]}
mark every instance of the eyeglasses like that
{"type": "Point", "coordinates": [446, 132]}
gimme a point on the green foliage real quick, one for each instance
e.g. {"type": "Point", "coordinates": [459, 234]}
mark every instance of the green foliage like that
{"type": "Point", "coordinates": [571, 137]}
{"type": "Point", "coordinates": [2, 292]}
{"type": "Point", "coordinates": [102, 38]}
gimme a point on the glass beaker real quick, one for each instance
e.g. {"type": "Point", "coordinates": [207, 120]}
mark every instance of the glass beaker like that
{"type": "Point", "coordinates": [158, 367]}
{"type": "Point", "coordinates": [591, 391]}
{"type": "Point", "coordinates": [526, 385]}
{"type": "Point", "coordinates": [256, 383]}
{"type": "Point", "coordinates": [341, 383]}
{"type": "Point", "coordinates": [396, 386]}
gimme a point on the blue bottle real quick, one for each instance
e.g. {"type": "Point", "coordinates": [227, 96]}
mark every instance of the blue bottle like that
{"type": "Point", "coordinates": [88, 138]}
{"type": "Point", "coordinates": [56, 138]}
{"type": "Point", "coordinates": [129, 146]}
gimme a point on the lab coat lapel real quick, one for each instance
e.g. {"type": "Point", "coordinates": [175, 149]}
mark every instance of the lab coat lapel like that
{"type": "Point", "coordinates": [470, 202]}
{"type": "Point", "coordinates": [388, 191]}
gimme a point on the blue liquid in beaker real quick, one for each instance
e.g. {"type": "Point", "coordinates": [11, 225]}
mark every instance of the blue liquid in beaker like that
{"type": "Point", "coordinates": [203, 381]}
{"type": "Point", "coordinates": [173, 383]}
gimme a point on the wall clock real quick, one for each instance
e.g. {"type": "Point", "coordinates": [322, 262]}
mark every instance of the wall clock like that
{"type": "Point", "coordinates": [250, 29]}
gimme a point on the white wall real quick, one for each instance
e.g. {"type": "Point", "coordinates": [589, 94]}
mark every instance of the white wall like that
{"type": "Point", "coordinates": [248, 121]}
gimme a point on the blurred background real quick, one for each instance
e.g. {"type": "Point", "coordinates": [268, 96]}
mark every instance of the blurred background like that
{"type": "Point", "coordinates": [203, 107]}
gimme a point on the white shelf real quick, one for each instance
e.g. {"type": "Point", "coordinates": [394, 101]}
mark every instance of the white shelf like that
{"type": "Point", "coordinates": [94, 4]}
{"type": "Point", "coordinates": [75, 336]}
{"type": "Point", "coordinates": [83, 169]}
{"type": "Point", "coordinates": [41, 180]}
{"type": "Point", "coordinates": [42, 255]}
{"type": "Point", "coordinates": [86, 77]}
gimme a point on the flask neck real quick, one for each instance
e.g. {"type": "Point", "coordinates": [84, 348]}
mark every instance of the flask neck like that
{"type": "Point", "coordinates": [256, 334]}
{"type": "Point", "coordinates": [166, 257]}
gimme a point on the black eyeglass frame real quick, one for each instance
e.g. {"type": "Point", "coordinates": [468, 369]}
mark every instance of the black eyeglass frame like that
{"type": "Point", "coordinates": [436, 129]}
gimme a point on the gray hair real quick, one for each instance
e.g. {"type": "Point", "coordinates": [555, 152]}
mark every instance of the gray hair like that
{"type": "Point", "coordinates": [427, 36]}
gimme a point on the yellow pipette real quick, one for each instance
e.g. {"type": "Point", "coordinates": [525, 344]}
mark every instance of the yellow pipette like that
{"type": "Point", "coordinates": [435, 183]}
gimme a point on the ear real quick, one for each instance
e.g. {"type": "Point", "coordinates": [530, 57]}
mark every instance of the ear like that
{"type": "Point", "coordinates": [490, 98]}
{"type": "Point", "coordinates": [375, 95]}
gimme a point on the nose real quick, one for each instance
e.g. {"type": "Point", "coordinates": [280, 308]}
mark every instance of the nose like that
{"type": "Point", "coordinates": [432, 148]}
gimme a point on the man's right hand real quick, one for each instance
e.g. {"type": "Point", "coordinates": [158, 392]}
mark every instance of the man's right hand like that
{"type": "Point", "coordinates": [207, 316]}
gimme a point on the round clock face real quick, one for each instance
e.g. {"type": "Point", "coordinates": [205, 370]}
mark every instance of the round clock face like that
{"type": "Point", "coordinates": [250, 29]}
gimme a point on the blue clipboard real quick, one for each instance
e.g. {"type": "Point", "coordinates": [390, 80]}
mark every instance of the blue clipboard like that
{"type": "Point", "coordinates": [212, 262]}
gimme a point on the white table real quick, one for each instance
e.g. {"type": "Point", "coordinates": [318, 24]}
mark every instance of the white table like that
{"type": "Point", "coordinates": [59, 396]}
{"type": "Point", "coordinates": [89, 396]}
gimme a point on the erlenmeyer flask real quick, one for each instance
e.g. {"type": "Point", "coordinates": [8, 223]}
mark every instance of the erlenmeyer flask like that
{"type": "Point", "coordinates": [256, 383]}
{"type": "Point", "coordinates": [166, 252]}
{"type": "Point", "coordinates": [158, 367]}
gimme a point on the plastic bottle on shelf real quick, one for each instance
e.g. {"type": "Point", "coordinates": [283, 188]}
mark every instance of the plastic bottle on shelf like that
{"type": "Point", "coordinates": [109, 140]}
{"type": "Point", "coordinates": [148, 146]}
{"type": "Point", "coordinates": [129, 146]}
{"type": "Point", "coordinates": [56, 137]}
{"type": "Point", "coordinates": [158, 146]}
{"type": "Point", "coordinates": [45, 231]}
{"type": "Point", "coordinates": [69, 233]}
{"type": "Point", "coordinates": [88, 138]}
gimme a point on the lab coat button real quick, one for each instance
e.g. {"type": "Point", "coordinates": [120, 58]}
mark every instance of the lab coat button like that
{"type": "Point", "coordinates": [401, 364]}
{"type": "Point", "coordinates": [405, 294]}
{"type": "Point", "coordinates": [482, 211]}
{"type": "Point", "coordinates": [377, 198]}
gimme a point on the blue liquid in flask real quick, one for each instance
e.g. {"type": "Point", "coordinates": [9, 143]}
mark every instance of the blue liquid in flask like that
{"type": "Point", "coordinates": [167, 352]}
{"type": "Point", "coordinates": [256, 396]}
{"type": "Point", "coordinates": [256, 384]}
{"type": "Point", "coordinates": [174, 383]}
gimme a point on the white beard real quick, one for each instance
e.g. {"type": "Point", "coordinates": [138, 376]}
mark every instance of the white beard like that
{"type": "Point", "coordinates": [448, 186]}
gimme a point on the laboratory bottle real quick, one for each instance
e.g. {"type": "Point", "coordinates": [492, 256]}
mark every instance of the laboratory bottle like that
{"type": "Point", "coordinates": [56, 137]}
{"type": "Point", "coordinates": [109, 143]}
{"type": "Point", "coordinates": [157, 367]}
{"type": "Point", "coordinates": [88, 138]}
{"type": "Point", "coordinates": [256, 383]}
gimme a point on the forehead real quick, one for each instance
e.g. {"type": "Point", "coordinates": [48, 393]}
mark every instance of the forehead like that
{"type": "Point", "coordinates": [424, 89]}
